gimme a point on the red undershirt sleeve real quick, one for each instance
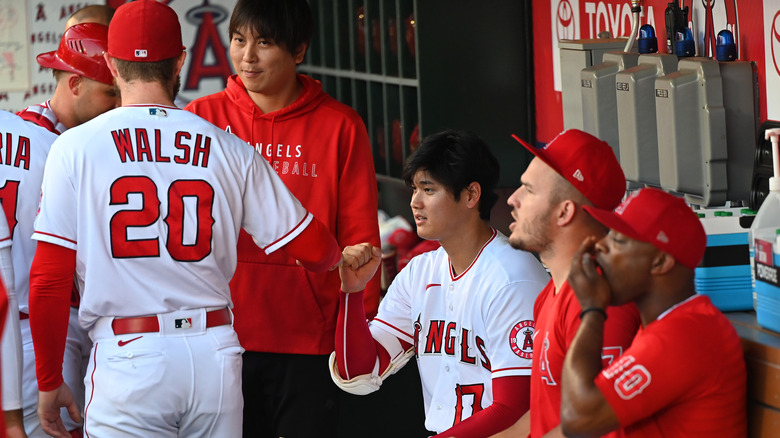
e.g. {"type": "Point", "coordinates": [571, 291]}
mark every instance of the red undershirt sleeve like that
{"type": "Point", "coordinates": [51, 281]}
{"type": "Point", "coordinates": [315, 248]}
{"type": "Point", "coordinates": [511, 399]}
{"type": "Point", "coordinates": [356, 349]}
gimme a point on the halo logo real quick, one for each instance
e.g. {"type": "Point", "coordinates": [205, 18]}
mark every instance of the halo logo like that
{"type": "Point", "coordinates": [565, 24]}
{"type": "Point", "coordinates": [774, 36]}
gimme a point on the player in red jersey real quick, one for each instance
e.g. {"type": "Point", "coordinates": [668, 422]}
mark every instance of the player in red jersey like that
{"type": "Point", "coordinates": [320, 148]}
{"type": "Point", "coordinates": [574, 170]}
{"type": "Point", "coordinates": [684, 374]}
{"type": "Point", "coordinates": [145, 204]}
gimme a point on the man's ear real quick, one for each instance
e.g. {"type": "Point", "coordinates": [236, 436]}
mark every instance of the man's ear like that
{"type": "Point", "coordinates": [662, 263]}
{"type": "Point", "coordinates": [111, 66]}
{"type": "Point", "coordinates": [300, 53]}
{"type": "Point", "coordinates": [180, 63]}
{"type": "Point", "coordinates": [74, 83]}
{"type": "Point", "coordinates": [565, 211]}
{"type": "Point", "coordinates": [473, 193]}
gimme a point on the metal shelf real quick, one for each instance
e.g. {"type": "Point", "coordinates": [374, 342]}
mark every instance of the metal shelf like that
{"type": "Point", "coordinates": [364, 53]}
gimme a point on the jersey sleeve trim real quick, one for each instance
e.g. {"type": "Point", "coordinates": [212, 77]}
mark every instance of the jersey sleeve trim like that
{"type": "Point", "coordinates": [512, 371]}
{"type": "Point", "coordinates": [395, 331]}
{"type": "Point", "coordinates": [57, 240]}
{"type": "Point", "coordinates": [273, 246]}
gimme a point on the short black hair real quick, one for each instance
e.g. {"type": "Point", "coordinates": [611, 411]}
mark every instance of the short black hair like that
{"type": "Point", "coordinates": [455, 159]}
{"type": "Point", "coordinates": [288, 23]}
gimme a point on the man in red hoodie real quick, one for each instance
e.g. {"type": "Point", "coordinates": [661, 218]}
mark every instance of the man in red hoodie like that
{"type": "Point", "coordinates": [285, 316]}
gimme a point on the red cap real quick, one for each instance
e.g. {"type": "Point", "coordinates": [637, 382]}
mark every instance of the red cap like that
{"type": "Point", "coordinates": [81, 52]}
{"type": "Point", "coordinates": [654, 216]}
{"type": "Point", "coordinates": [588, 163]}
{"type": "Point", "coordinates": [144, 31]}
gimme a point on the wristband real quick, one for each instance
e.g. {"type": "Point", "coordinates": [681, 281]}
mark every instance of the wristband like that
{"type": "Point", "coordinates": [594, 309]}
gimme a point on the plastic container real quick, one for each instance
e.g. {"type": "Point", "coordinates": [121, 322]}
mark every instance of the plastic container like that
{"type": "Point", "coordinates": [764, 247]}
{"type": "Point", "coordinates": [767, 218]}
{"type": "Point", "coordinates": [767, 253]}
{"type": "Point", "coordinates": [724, 272]}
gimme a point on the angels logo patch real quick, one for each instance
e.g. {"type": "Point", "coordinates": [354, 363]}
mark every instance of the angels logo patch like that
{"type": "Point", "coordinates": [521, 339]}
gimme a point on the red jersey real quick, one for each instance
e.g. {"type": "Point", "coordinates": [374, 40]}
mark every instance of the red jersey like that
{"type": "Point", "coordinates": [320, 149]}
{"type": "Point", "coordinates": [684, 375]}
{"type": "Point", "coordinates": [557, 318]}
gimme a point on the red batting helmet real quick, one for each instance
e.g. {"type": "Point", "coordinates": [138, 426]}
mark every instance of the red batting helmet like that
{"type": "Point", "coordinates": [81, 51]}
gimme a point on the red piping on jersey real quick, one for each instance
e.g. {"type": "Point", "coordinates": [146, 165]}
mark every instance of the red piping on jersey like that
{"type": "Point", "coordinates": [394, 327]}
{"type": "Point", "coordinates": [475, 258]}
{"type": "Point", "coordinates": [432, 285]}
{"type": "Point", "coordinates": [58, 237]}
{"type": "Point", "coordinates": [290, 232]}
{"type": "Point", "coordinates": [7, 238]}
{"type": "Point", "coordinates": [92, 393]}
{"type": "Point", "coordinates": [510, 368]}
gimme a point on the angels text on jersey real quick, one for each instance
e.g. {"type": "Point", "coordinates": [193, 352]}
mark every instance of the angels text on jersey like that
{"type": "Point", "coordinates": [282, 157]}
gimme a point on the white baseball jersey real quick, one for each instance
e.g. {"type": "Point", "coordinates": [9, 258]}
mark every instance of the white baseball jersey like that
{"type": "Point", "coordinates": [153, 198]}
{"type": "Point", "coordinates": [23, 150]}
{"type": "Point", "coordinates": [24, 156]}
{"type": "Point", "coordinates": [466, 329]}
{"type": "Point", "coordinates": [11, 338]}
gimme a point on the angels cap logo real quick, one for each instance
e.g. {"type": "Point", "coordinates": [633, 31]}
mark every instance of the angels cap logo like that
{"type": "Point", "coordinates": [622, 207]}
{"type": "Point", "coordinates": [521, 339]}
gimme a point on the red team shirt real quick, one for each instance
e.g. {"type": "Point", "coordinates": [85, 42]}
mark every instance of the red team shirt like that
{"type": "Point", "coordinates": [684, 375]}
{"type": "Point", "coordinates": [557, 320]}
{"type": "Point", "coordinates": [320, 149]}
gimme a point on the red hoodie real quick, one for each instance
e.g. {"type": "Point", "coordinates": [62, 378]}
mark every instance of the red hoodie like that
{"type": "Point", "coordinates": [320, 149]}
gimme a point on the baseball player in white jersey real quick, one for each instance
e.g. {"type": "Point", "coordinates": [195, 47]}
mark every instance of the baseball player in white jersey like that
{"type": "Point", "coordinates": [85, 88]}
{"type": "Point", "coordinates": [11, 422]}
{"type": "Point", "coordinates": [23, 150]}
{"type": "Point", "coordinates": [145, 204]}
{"type": "Point", "coordinates": [464, 310]}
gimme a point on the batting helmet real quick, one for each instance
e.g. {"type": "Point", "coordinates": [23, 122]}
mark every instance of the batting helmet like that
{"type": "Point", "coordinates": [81, 51]}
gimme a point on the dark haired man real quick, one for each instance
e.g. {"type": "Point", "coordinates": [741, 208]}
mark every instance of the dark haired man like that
{"type": "Point", "coordinates": [464, 310]}
{"type": "Point", "coordinates": [145, 204]}
{"type": "Point", "coordinates": [285, 316]}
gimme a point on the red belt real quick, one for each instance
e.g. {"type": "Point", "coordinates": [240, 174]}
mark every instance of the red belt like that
{"type": "Point", "coordinates": [147, 324]}
{"type": "Point", "coordinates": [23, 316]}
